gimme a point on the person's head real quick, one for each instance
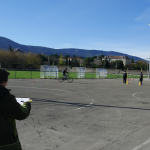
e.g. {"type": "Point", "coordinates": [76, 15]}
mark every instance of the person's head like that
{"type": "Point", "coordinates": [3, 77]}
{"type": "Point", "coordinates": [66, 68]}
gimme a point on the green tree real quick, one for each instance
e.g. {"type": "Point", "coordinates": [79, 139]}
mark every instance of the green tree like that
{"type": "Point", "coordinates": [67, 57]}
{"type": "Point", "coordinates": [132, 60]}
{"type": "Point", "coordinates": [74, 62]}
{"type": "Point", "coordinates": [101, 56]}
{"type": "Point", "coordinates": [87, 61]}
{"type": "Point", "coordinates": [107, 64]}
{"type": "Point", "coordinates": [56, 55]}
{"type": "Point", "coordinates": [120, 64]}
{"type": "Point", "coordinates": [61, 61]}
{"type": "Point", "coordinates": [10, 49]}
{"type": "Point", "coordinates": [69, 63]}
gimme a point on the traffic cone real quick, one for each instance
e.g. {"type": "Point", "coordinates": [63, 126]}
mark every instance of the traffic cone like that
{"type": "Point", "coordinates": [139, 83]}
{"type": "Point", "coordinates": [127, 81]}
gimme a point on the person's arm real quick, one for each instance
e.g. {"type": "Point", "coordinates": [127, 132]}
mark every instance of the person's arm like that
{"type": "Point", "coordinates": [15, 110]}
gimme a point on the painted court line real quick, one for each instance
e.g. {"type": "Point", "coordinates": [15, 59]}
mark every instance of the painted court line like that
{"type": "Point", "coordinates": [82, 107]}
{"type": "Point", "coordinates": [141, 145]}
{"type": "Point", "coordinates": [135, 96]}
{"type": "Point", "coordinates": [41, 88]}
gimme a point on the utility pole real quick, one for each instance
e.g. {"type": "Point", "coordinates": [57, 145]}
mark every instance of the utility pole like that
{"type": "Point", "coordinates": [149, 62]}
{"type": "Point", "coordinates": [149, 67]}
{"type": "Point", "coordinates": [116, 66]}
{"type": "Point", "coordinates": [48, 60]}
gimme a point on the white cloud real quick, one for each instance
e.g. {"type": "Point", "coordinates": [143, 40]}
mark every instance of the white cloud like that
{"type": "Point", "coordinates": [144, 16]}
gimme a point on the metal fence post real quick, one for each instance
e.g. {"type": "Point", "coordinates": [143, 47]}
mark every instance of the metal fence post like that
{"type": "Point", "coordinates": [15, 74]}
{"type": "Point", "coordinates": [31, 74]}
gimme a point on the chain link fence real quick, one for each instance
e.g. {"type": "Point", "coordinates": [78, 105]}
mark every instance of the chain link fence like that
{"type": "Point", "coordinates": [35, 74]}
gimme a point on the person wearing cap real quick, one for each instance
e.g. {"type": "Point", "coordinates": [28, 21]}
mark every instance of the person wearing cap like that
{"type": "Point", "coordinates": [10, 111]}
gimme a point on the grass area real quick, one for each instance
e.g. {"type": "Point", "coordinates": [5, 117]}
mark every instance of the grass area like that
{"type": "Point", "coordinates": [36, 75]}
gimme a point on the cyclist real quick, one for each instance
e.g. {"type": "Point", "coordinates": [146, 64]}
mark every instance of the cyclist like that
{"type": "Point", "coordinates": [64, 74]}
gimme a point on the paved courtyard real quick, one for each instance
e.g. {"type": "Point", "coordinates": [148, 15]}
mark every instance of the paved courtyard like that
{"type": "Point", "coordinates": [90, 114]}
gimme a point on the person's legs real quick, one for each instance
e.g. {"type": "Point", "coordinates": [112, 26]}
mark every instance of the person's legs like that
{"type": "Point", "coordinates": [125, 81]}
{"type": "Point", "coordinates": [64, 76]}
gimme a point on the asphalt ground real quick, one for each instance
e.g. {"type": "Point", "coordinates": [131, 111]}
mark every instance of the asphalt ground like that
{"type": "Point", "coordinates": [88, 114]}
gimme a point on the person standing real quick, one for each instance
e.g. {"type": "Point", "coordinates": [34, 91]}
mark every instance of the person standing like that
{"type": "Point", "coordinates": [10, 110]}
{"type": "Point", "coordinates": [141, 78]}
{"type": "Point", "coordinates": [124, 77]}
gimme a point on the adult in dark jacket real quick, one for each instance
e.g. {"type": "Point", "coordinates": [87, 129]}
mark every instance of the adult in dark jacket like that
{"type": "Point", "coordinates": [124, 77]}
{"type": "Point", "coordinates": [141, 78]}
{"type": "Point", "coordinates": [64, 73]}
{"type": "Point", "coordinates": [10, 110]}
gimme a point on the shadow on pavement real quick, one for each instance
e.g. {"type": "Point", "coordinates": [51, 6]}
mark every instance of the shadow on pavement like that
{"type": "Point", "coordinates": [45, 101]}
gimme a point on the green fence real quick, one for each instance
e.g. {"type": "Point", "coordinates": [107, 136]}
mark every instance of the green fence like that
{"type": "Point", "coordinates": [33, 74]}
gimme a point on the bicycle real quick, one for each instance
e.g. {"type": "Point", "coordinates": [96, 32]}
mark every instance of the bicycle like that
{"type": "Point", "coordinates": [69, 79]}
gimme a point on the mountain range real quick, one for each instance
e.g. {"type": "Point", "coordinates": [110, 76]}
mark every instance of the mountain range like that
{"type": "Point", "coordinates": [5, 42]}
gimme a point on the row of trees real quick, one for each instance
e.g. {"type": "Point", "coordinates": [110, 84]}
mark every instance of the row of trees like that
{"type": "Point", "coordinates": [10, 59]}
{"type": "Point", "coordinates": [89, 62]}
{"type": "Point", "coordinates": [64, 60]}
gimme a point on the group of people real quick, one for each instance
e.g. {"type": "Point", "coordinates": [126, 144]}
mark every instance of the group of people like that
{"type": "Point", "coordinates": [125, 77]}
{"type": "Point", "coordinates": [10, 110]}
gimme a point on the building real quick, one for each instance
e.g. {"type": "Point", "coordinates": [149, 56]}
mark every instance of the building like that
{"type": "Point", "coordinates": [97, 61]}
{"type": "Point", "coordinates": [17, 50]}
{"type": "Point", "coordinates": [126, 60]}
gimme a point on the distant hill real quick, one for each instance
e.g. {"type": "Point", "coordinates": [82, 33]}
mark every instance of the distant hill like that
{"type": "Point", "coordinates": [4, 44]}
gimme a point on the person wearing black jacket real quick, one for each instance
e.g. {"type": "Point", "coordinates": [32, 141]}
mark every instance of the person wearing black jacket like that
{"type": "Point", "coordinates": [64, 73]}
{"type": "Point", "coordinates": [10, 110]}
{"type": "Point", "coordinates": [141, 78]}
{"type": "Point", "coordinates": [124, 77]}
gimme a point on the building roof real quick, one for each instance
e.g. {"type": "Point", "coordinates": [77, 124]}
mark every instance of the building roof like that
{"type": "Point", "coordinates": [116, 57]}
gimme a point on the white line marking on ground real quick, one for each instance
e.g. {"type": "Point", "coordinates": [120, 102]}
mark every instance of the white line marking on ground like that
{"type": "Point", "coordinates": [56, 90]}
{"type": "Point", "coordinates": [41, 88]}
{"type": "Point", "coordinates": [82, 107]}
{"type": "Point", "coordinates": [141, 145]}
{"type": "Point", "coordinates": [137, 97]}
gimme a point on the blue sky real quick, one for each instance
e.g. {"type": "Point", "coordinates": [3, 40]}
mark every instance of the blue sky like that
{"type": "Point", "coordinates": [109, 25]}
